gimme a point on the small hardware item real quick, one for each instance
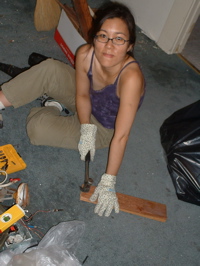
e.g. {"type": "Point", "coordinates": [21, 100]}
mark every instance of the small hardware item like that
{"type": "Point", "coordinates": [10, 160]}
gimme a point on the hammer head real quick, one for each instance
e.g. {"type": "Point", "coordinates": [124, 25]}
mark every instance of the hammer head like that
{"type": "Point", "coordinates": [86, 186]}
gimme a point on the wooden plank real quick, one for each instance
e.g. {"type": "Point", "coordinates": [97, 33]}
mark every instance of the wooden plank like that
{"type": "Point", "coordinates": [83, 15]}
{"type": "Point", "coordinates": [133, 205]}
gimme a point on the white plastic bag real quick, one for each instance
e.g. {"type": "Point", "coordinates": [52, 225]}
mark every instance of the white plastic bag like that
{"type": "Point", "coordinates": [56, 248]}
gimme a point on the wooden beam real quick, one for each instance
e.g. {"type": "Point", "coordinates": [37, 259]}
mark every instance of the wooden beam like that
{"type": "Point", "coordinates": [133, 205]}
{"type": "Point", "coordinates": [71, 14]}
{"type": "Point", "coordinates": [84, 17]}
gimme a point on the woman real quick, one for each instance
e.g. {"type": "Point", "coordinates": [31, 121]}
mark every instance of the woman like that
{"type": "Point", "coordinates": [109, 90]}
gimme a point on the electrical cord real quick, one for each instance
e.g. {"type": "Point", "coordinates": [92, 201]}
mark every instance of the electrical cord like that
{"type": "Point", "coordinates": [34, 228]}
{"type": "Point", "coordinates": [6, 177]}
{"type": "Point", "coordinates": [2, 172]}
{"type": "Point", "coordinates": [46, 211]}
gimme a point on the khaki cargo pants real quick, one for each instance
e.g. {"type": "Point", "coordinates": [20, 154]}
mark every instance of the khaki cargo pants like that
{"type": "Point", "coordinates": [45, 125]}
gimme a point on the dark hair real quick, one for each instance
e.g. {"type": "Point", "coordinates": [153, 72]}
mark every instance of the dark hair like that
{"type": "Point", "coordinates": [113, 10]}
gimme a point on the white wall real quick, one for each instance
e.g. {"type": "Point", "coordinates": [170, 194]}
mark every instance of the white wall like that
{"type": "Point", "coordinates": [150, 15]}
{"type": "Point", "coordinates": [179, 25]}
{"type": "Point", "coordinates": [167, 22]}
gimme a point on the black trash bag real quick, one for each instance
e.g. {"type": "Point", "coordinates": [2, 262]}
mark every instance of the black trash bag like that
{"type": "Point", "coordinates": [180, 139]}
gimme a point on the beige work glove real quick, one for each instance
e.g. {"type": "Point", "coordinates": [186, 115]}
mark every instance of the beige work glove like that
{"type": "Point", "coordinates": [87, 140]}
{"type": "Point", "coordinates": [107, 199]}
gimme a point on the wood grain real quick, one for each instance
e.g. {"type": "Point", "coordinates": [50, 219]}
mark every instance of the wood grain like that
{"type": "Point", "coordinates": [83, 15]}
{"type": "Point", "coordinates": [133, 205]}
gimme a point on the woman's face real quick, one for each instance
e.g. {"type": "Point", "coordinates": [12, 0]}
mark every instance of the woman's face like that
{"type": "Point", "coordinates": [109, 54]}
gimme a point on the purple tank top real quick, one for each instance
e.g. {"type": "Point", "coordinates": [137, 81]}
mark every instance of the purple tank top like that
{"type": "Point", "coordinates": [105, 102]}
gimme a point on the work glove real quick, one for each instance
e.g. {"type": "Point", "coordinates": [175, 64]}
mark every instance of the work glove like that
{"type": "Point", "coordinates": [105, 192]}
{"type": "Point", "coordinates": [87, 140]}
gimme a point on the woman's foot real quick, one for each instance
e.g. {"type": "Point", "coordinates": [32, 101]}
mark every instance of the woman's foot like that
{"type": "Point", "coordinates": [49, 101]}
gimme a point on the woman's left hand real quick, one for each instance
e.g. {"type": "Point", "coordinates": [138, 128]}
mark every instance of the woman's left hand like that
{"type": "Point", "coordinates": [107, 199]}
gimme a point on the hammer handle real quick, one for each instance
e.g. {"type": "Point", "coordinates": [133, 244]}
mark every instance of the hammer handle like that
{"type": "Point", "coordinates": [87, 160]}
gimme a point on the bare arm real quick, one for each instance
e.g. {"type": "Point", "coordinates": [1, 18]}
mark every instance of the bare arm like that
{"type": "Point", "coordinates": [83, 103]}
{"type": "Point", "coordinates": [131, 89]}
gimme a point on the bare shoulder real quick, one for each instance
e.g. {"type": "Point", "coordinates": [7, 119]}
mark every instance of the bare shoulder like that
{"type": "Point", "coordinates": [133, 70]}
{"type": "Point", "coordinates": [132, 78]}
{"type": "Point", "coordinates": [83, 56]}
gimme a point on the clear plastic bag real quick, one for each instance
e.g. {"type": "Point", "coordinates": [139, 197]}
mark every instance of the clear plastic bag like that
{"type": "Point", "coordinates": [56, 248]}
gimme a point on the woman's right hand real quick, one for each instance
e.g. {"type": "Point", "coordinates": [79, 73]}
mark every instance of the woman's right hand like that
{"type": "Point", "coordinates": [87, 140]}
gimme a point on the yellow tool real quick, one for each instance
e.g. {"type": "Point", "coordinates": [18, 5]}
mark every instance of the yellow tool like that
{"type": "Point", "coordinates": [11, 159]}
{"type": "Point", "coordinates": [11, 216]}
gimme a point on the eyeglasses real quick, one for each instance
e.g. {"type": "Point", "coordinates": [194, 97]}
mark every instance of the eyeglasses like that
{"type": "Point", "coordinates": [104, 39]}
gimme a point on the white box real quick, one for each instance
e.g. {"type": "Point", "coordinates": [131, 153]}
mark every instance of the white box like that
{"type": "Point", "coordinates": [68, 37]}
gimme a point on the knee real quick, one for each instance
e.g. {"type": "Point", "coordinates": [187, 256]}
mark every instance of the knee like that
{"type": "Point", "coordinates": [32, 132]}
{"type": "Point", "coordinates": [34, 129]}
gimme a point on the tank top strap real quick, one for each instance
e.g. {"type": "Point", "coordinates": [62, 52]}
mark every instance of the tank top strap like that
{"type": "Point", "coordinates": [123, 69]}
{"type": "Point", "coordinates": [90, 69]}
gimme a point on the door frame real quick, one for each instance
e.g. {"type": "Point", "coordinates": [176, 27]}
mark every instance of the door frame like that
{"type": "Point", "coordinates": [179, 25]}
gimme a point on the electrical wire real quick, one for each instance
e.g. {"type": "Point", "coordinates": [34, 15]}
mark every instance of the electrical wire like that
{"type": "Point", "coordinates": [34, 230]}
{"type": "Point", "coordinates": [45, 211]}
{"type": "Point", "coordinates": [6, 177]}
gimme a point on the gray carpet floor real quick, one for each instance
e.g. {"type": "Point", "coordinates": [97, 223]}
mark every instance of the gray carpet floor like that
{"type": "Point", "coordinates": [54, 175]}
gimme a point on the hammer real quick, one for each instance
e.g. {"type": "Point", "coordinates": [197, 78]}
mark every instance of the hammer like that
{"type": "Point", "coordinates": [88, 181]}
